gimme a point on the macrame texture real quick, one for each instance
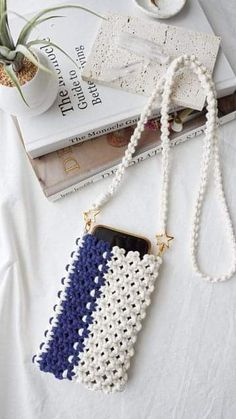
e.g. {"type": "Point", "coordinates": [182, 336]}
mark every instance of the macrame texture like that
{"type": "Point", "coordinates": [105, 297]}
{"type": "Point", "coordinates": [117, 319]}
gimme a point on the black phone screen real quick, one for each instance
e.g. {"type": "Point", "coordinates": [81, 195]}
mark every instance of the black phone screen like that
{"type": "Point", "coordinates": [122, 239]}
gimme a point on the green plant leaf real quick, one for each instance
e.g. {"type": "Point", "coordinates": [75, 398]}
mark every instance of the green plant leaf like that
{"type": "Point", "coordinates": [3, 6]}
{"type": "Point", "coordinates": [18, 57]}
{"type": "Point", "coordinates": [52, 44]}
{"type": "Point", "coordinates": [3, 61]}
{"type": "Point", "coordinates": [26, 30]}
{"type": "Point", "coordinates": [7, 53]}
{"type": "Point", "coordinates": [48, 18]}
{"type": "Point", "coordinates": [11, 74]}
{"type": "Point", "coordinates": [6, 38]}
{"type": "Point", "coordinates": [30, 56]}
{"type": "Point", "coordinates": [27, 20]}
{"type": "Point", "coordinates": [7, 13]}
{"type": "Point", "coordinates": [11, 12]}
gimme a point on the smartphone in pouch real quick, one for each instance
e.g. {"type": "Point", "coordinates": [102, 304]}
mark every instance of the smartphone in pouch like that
{"type": "Point", "coordinates": [122, 239]}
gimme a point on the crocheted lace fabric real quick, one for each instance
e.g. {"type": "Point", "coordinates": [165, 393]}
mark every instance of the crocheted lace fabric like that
{"type": "Point", "coordinates": [99, 312]}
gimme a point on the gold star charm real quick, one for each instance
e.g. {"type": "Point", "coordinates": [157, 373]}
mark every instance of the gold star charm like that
{"type": "Point", "coordinates": [90, 218]}
{"type": "Point", "coordinates": [163, 242]}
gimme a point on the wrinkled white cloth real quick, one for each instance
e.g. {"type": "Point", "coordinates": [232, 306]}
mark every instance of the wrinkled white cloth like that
{"type": "Point", "coordinates": [184, 366]}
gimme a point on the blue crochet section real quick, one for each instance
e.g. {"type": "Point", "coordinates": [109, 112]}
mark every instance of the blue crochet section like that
{"type": "Point", "coordinates": [76, 315]}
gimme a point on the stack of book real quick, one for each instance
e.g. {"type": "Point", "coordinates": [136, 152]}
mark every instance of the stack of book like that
{"type": "Point", "coordinates": [83, 136]}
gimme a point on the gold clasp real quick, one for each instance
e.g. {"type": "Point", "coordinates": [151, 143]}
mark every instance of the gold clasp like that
{"type": "Point", "coordinates": [90, 218]}
{"type": "Point", "coordinates": [163, 242]}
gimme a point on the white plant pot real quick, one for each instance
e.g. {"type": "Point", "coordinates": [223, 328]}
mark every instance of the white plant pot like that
{"type": "Point", "coordinates": [164, 9]}
{"type": "Point", "coordinates": [40, 92]}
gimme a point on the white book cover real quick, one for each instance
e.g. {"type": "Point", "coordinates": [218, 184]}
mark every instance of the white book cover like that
{"type": "Point", "coordinates": [84, 110]}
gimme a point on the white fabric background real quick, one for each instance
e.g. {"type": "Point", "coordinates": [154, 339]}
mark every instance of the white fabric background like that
{"type": "Point", "coordinates": [184, 366]}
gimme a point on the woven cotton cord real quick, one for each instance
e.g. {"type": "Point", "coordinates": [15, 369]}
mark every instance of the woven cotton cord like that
{"type": "Point", "coordinates": [116, 181]}
{"type": "Point", "coordinates": [210, 153]}
{"type": "Point", "coordinates": [164, 88]}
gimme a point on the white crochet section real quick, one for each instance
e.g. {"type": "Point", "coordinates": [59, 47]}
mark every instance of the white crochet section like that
{"type": "Point", "coordinates": [122, 305]}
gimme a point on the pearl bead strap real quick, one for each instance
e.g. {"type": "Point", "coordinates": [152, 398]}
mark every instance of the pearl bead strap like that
{"type": "Point", "coordinates": [163, 91]}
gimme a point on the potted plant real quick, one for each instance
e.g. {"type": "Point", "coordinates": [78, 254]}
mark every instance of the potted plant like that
{"type": "Point", "coordinates": [28, 82]}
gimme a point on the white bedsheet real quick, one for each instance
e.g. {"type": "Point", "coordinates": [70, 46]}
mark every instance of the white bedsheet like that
{"type": "Point", "coordinates": [184, 366]}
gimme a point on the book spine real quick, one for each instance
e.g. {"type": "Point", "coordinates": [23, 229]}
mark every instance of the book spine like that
{"type": "Point", "coordinates": [138, 158]}
{"type": "Point", "coordinates": [87, 135]}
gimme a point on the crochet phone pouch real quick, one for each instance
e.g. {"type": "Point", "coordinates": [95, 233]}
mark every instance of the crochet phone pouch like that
{"type": "Point", "coordinates": [109, 281]}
